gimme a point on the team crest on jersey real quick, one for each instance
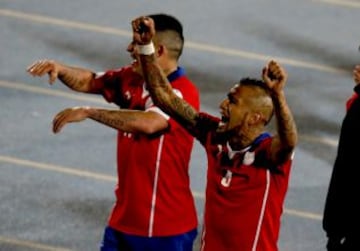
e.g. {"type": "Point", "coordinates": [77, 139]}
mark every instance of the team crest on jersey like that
{"type": "Point", "coordinates": [127, 95]}
{"type": "Point", "coordinates": [226, 179]}
{"type": "Point", "coordinates": [249, 158]}
{"type": "Point", "coordinates": [220, 148]}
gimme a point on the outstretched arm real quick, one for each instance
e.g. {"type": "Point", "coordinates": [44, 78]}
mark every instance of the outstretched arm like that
{"type": "Point", "coordinates": [285, 141]}
{"type": "Point", "coordinates": [132, 121]}
{"type": "Point", "coordinates": [77, 79]}
{"type": "Point", "coordinates": [157, 83]}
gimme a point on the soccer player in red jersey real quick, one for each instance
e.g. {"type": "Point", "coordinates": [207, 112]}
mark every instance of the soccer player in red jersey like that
{"type": "Point", "coordinates": [248, 168]}
{"type": "Point", "coordinates": [154, 208]}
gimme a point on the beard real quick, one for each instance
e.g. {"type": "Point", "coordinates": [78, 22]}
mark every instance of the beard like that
{"type": "Point", "coordinates": [238, 135]}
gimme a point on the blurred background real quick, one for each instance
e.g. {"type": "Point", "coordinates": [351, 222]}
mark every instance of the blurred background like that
{"type": "Point", "coordinates": [56, 191]}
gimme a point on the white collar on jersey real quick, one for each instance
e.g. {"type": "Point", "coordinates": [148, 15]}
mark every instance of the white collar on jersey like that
{"type": "Point", "coordinates": [231, 152]}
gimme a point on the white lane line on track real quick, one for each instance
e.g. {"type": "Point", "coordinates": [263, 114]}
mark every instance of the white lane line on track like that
{"type": "Point", "coordinates": [99, 176]}
{"type": "Point", "coordinates": [261, 57]}
{"type": "Point", "coordinates": [302, 214]}
{"type": "Point", "coordinates": [320, 139]}
{"type": "Point", "coordinates": [64, 23]}
{"type": "Point", "coordinates": [56, 168]}
{"type": "Point", "coordinates": [30, 244]}
{"type": "Point", "coordinates": [56, 93]}
{"type": "Point", "coordinates": [197, 46]}
{"type": "Point", "coordinates": [68, 170]}
{"type": "Point", "coordinates": [352, 4]}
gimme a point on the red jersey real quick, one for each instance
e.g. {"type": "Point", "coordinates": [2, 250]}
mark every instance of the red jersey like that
{"type": "Point", "coordinates": [153, 196]}
{"type": "Point", "coordinates": [244, 194]}
{"type": "Point", "coordinates": [350, 101]}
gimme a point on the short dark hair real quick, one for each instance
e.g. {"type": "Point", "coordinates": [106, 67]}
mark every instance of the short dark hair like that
{"type": "Point", "coordinates": [171, 26]}
{"type": "Point", "coordinates": [253, 81]}
{"type": "Point", "coordinates": [264, 91]}
{"type": "Point", "coordinates": [164, 22]}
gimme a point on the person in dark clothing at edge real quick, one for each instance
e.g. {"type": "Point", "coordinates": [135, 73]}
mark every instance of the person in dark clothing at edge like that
{"type": "Point", "coordinates": [342, 210]}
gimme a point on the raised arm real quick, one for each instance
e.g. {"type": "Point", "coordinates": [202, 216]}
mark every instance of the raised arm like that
{"type": "Point", "coordinates": [157, 83]}
{"type": "Point", "coordinates": [285, 141]}
{"type": "Point", "coordinates": [75, 78]}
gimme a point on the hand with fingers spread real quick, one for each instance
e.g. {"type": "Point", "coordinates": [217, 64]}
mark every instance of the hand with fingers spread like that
{"type": "Point", "coordinates": [42, 67]}
{"type": "Point", "coordinates": [69, 115]}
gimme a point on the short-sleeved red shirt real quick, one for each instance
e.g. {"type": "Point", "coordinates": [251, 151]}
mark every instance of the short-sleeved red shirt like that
{"type": "Point", "coordinates": [244, 194]}
{"type": "Point", "coordinates": [153, 196]}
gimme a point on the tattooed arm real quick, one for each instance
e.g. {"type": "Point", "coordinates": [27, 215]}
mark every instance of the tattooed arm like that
{"type": "Point", "coordinates": [286, 139]}
{"type": "Point", "coordinates": [132, 121]}
{"type": "Point", "coordinates": [157, 83]}
{"type": "Point", "coordinates": [77, 79]}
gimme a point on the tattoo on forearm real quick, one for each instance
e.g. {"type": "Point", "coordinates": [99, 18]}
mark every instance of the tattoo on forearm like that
{"type": "Point", "coordinates": [163, 95]}
{"type": "Point", "coordinates": [115, 119]}
{"type": "Point", "coordinates": [286, 125]}
{"type": "Point", "coordinates": [74, 78]}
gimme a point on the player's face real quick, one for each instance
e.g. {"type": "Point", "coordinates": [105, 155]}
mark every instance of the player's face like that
{"type": "Point", "coordinates": [133, 50]}
{"type": "Point", "coordinates": [234, 109]}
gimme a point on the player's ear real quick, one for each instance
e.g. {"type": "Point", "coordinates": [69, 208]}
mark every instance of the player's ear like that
{"type": "Point", "coordinates": [255, 118]}
{"type": "Point", "coordinates": [160, 50]}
